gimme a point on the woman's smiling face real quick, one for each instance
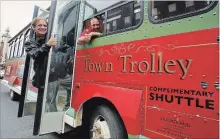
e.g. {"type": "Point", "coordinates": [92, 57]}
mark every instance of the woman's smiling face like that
{"type": "Point", "coordinates": [41, 28]}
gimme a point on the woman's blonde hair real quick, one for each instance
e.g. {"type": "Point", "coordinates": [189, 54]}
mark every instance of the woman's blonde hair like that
{"type": "Point", "coordinates": [36, 20]}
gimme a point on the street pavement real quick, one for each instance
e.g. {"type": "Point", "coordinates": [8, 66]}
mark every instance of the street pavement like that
{"type": "Point", "coordinates": [13, 127]}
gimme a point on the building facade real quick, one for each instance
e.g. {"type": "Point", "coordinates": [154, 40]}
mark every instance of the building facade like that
{"type": "Point", "coordinates": [4, 46]}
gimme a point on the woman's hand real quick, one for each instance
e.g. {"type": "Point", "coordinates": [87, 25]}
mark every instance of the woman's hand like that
{"type": "Point", "coordinates": [52, 41]}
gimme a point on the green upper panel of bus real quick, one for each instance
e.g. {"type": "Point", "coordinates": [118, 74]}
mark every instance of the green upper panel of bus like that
{"type": "Point", "coordinates": [128, 21]}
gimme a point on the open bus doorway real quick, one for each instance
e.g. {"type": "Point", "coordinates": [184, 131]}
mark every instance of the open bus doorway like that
{"type": "Point", "coordinates": [49, 106]}
{"type": "Point", "coordinates": [58, 82]}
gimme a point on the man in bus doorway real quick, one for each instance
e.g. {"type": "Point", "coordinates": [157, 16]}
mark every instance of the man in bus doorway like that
{"type": "Point", "coordinates": [89, 33]}
{"type": "Point", "coordinates": [60, 76]}
{"type": "Point", "coordinates": [65, 71]}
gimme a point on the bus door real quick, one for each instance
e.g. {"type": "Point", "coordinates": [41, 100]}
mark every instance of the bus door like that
{"type": "Point", "coordinates": [59, 73]}
{"type": "Point", "coordinates": [29, 94]}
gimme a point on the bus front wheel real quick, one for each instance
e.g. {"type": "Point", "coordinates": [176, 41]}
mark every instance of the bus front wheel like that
{"type": "Point", "coordinates": [13, 95]}
{"type": "Point", "coordinates": [106, 124]}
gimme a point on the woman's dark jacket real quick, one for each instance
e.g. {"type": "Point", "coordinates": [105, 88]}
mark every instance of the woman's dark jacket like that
{"type": "Point", "coordinates": [38, 51]}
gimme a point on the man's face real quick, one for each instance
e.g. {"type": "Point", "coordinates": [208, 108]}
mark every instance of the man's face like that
{"type": "Point", "coordinates": [41, 28]}
{"type": "Point", "coordinates": [95, 25]}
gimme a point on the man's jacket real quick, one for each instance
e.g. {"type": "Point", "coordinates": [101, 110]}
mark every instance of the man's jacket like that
{"type": "Point", "coordinates": [63, 61]}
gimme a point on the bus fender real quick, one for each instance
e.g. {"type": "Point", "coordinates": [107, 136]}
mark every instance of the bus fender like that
{"type": "Point", "coordinates": [126, 101]}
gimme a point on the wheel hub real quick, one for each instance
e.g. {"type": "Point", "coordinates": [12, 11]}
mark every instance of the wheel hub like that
{"type": "Point", "coordinates": [100, 129]}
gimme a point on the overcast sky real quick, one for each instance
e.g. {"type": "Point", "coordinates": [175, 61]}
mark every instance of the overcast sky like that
{"type": "Point", "coordinates": [17, 14]}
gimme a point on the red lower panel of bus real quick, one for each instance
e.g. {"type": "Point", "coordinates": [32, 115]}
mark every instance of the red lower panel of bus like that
{"type": "Point", "coordinates": [11, 74]}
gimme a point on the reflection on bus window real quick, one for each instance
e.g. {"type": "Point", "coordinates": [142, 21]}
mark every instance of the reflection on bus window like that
{"type": "Point", "coordinates": [166, 9]}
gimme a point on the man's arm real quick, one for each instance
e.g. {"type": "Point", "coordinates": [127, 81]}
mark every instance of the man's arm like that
{"type": "Point", "coordinates": [84, 39]}
{"type": "Point", "coordinates": [95, 33]}
{"type": "Point", "coordinates": [87, 38]}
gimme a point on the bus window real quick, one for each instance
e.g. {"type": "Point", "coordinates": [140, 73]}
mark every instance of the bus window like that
{"type": "Point", "coordinates": [20, 45]}
{"type": "Point", "coordinates": [89, 11]}
{"type": "Point", "coordinates": [9, 50]}
{"type": "Point", "coordinates": [100, 17]}
{"type": "Point", "coordinates": [123, 17]}
{"type": "Point", "coordinates": [92, 7]}
{"type": "Point", "coordinates": [137, 12]}
{"type": "Point", "coordinates": [16, 48]}
{"type": "Point", "coordinates": [69, 26]}
{"type": "Point", "coordinates": [26, 37]}
{"type": "Point", "coordinates": [120, 15]}
{"type": "Point", "coordinates": [161, 10]}
{"type": "Point", "coordinates": [12, 50]}
{"type": "Point", "coordinates": [101, 5]}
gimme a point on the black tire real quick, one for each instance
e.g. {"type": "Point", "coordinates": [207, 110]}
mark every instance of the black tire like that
{"type": "Point", "coordinates": [14, 96]}
{"type": "Point", "coordinates": [116, 127]}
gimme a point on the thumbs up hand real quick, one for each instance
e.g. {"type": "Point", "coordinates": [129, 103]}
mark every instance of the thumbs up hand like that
{"type": "Point", "coordinates": [52, 41]}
